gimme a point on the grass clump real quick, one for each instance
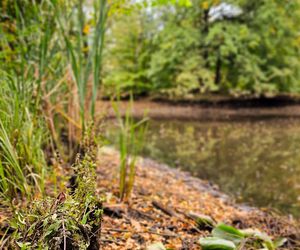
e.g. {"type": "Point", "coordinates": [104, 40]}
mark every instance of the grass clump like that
{"type": "Point", "coordinates": [22, 136]}
{"type": "Point", "coordinates": [71, 221]}
{"type": "Point", "coordinates": [84, 51]}
{"type": "Point", "coordinates": [130, 141]}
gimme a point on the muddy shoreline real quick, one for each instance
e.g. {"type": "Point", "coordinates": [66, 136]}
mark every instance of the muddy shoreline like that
{"type": "Point", "coordinates": [139, 222]}
{"type": "Point", "coordinates": [198, 184]}
{"type": "Point", "coordinates": [202, 112]}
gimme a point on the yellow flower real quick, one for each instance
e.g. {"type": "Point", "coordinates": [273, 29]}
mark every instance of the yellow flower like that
{"type": "Point", "coordinates": [86, 29]}
{"type": "Point", "coordinates": [205, 5]}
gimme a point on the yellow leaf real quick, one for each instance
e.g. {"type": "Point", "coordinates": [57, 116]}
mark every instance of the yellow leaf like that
{"type": "Point", "coordinates": [127, 235]}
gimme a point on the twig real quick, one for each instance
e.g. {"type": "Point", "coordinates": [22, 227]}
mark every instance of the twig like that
{"type": "Point", "coordinates": [64, 233]}
{"type": "Point", "coordinates": [170, 212]}
{"type": "Point", "coordinates": [110, 241]}
{"type": "Point", "coordinates": [141, 232]}
{"type": "Point", "coordinates": [186, 221]}
{"type": "Point", "coordinates": [3, 241]}
{"type": "Point", "coordinates": [164, 209]}
{"type": "Point", "coordinates": [142, 214]}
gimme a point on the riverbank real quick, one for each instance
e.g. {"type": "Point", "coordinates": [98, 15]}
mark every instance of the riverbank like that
{"type": "Point", "coordinates": [202, 111]}
{"type": "Point", "coordinates": [162, 200]}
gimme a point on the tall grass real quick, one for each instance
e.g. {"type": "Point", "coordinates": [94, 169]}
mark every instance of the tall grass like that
{"type": "Point", "coordinates": [131, 137]}
{"type": "Point", "coordinates": [47, 37]}
{"type": "Point", "coordinates": [31, 54]}
{"type": "Point", "coordinates": [22, 162]}
{"type": "Point", "coordinates": [85, 60]}
{"type": "Point", "coordinates": [37, 65]}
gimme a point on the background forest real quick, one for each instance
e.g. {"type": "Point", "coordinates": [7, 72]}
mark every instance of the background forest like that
{"type": "Point", "coordinates": [237, 47]}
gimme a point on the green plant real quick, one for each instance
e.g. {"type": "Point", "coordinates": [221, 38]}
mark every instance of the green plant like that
{"type": "Point", "coordinates": [22, 135]}
{"type": "Point", "coordinates": [85, 60]}
{"type": "Point", "coordinates": [69, 221]}
{"type": "Point", "coordinates": [130, 140]}
{"type": "Point", "coordinates": [229, 238]}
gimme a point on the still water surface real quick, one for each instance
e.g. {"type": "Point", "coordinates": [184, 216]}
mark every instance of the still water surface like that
{"type": "Point", "coordinates": [258, 161]}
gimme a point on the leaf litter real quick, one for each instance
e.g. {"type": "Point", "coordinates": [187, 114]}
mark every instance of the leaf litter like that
{"type": "Point", "coordinates": [167, 205]}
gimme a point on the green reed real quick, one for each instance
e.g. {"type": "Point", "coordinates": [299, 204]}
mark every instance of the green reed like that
{"type": "Point", "coordinates": [22, 162]}
{"type": "Point", "coordinates": [131, 135]}
{"type": "Point", "coordinates": [85, 60]}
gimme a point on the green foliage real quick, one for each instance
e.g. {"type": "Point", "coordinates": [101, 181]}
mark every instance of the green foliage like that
{"type": "Point", "coordinates": [130, 140]}
{"type": "Point", "coordinates": [229, 238]}
{"type": "Point", "coordinates": [27, 30]}
{"type": "Point", "coordinates": [211, 243]}
{"type": "Point", "coordinates": [182, 52]}
{"type": "Point", "coordinates": [128, 54]}
{"type": "Point", "coordinates": [85, 60]}
{"type": "Point", "coordinates": [228, 233]}
{"type": "Point", "coordinates": [35, 37]}
{"type": "Point", "coordinates": [37, 67]}
{"type": "Point", "coordinates": [41, 39]}
{"type": "Point", "coordinates": [67, 222]}
{"type": "Point", "coordinates": [22, 135]}
{"type": "Point", "coordinates": [202, 221]}
{"type": "Point", "coordinates": [66, 225]}
{"type": "Point", "coordinates": [185, 3]}
{"type": "Point", "coordinates": [225, 237]}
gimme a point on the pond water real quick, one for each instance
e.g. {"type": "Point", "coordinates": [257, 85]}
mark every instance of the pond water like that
{"type": "Point", "coordinates": [257, 161]}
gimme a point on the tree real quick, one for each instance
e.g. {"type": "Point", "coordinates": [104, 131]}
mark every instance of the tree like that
{"type": "Point", "coordinates": [128, 52]}
{"type": "Point", "coordinates": [198, 46]}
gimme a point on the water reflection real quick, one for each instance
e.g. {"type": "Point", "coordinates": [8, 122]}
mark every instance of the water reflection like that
{"type": "Point", "coordinates": [256, 161]}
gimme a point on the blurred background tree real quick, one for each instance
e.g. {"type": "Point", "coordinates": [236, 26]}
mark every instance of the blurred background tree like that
{"type": "Point", "coordinates": [128, 50]}
{"type": "Point", "coordinates": [235, 47]}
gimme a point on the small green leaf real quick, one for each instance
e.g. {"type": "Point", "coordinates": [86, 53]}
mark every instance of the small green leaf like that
{"type": "Point", "coordinates": [202, 220]}
{"type": "Point", "coordinates": [267, 241]}
{"type": "Point", "coordinates": [24, 246]}
{"type": "Point", "coordinates": [269, 245]}
{"type": "Point", "coordinates": [52, 228]}
{"type": "Point", "coordinates": [214, 243]}
{"type": "Point", "coordinates": [230, 233]}
{"type": "Point", "coordinates": [156, 246]}
{"type": "Point", "coordinates": [279, 242]}
{"type": "Point", "coordinates": [85, 218]}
